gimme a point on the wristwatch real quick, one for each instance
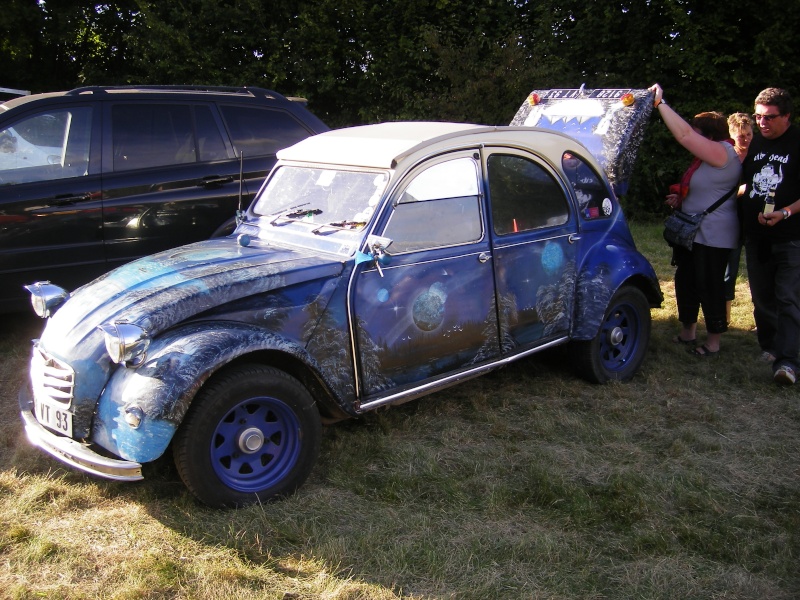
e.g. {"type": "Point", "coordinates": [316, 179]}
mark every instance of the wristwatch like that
{"type": "Point", "coordinates": [786, 213]}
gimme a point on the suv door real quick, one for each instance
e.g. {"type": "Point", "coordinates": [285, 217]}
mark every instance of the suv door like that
{"type": "Point", "coordinates": [432, 310]}
{"type": "Point", "coordinates": [169, 177]}
{"type": "Point", "coordinates": [50, 199]}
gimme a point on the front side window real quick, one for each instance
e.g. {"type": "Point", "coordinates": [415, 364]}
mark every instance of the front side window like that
{"type": "Point", "coordinates": [440, 207]}
{"type": "Point", "coordinates": [524, 195]}
{"type": "Point", "coordinates": [46, 146]}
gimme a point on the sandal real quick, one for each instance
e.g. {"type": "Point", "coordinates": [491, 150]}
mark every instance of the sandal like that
{"type": "Point", "coordinates": [679, 340]}
{"type": "Point", "coordinates": [705, 352]}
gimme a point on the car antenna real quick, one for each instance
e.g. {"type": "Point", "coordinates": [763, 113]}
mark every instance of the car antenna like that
{"type": "Point", "coordinates": [239, 213]}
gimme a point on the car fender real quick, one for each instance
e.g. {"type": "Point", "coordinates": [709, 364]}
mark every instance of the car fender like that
{"type": "Point", "coordinates": [607, 268]}
{"type": "Point", "coordinates": [158, 392]}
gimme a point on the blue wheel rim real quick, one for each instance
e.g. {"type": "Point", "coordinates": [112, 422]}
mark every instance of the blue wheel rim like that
{"type": "Point", "coordinates": [619, 337]}
{"type": "Point", "coordinates": [256, 444]}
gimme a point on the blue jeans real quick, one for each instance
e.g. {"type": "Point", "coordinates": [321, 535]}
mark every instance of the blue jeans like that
{"type": "Point", "coordinates": [774, 276]}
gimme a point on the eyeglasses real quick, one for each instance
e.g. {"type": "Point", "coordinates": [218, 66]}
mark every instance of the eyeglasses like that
{"type": "Point", "coordinates": [766, 118]}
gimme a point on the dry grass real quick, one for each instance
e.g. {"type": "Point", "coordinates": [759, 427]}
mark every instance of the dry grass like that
{"type": "Point", "coordinates": [526, 483]}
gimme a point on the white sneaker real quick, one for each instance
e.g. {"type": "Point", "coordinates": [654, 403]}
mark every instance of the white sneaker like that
{"type": "Point", "coordinates": [784, 375]}
{"type": "Point", "coordinates": [767, 357]}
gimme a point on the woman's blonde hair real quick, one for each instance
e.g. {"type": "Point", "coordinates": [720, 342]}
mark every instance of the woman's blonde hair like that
{"type": "Point", "coordinates": [739, 120]}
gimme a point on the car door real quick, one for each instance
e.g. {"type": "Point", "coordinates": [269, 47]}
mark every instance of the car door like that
{"type": "Point", "coordinates": [50, 204]}
{"type": "Point", "coordinates": [534, 236]}
{"type": "Point", "coordinates": [170, 177]}
{"type": "Point", "coordinates": [431, 311]}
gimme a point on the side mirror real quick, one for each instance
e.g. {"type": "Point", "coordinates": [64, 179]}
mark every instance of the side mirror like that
{"type": "Point", "coordinates": [376, 251]}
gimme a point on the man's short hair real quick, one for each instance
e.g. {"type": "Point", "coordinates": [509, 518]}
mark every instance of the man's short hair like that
{"type": "Point", "coordinates": [776, 97]}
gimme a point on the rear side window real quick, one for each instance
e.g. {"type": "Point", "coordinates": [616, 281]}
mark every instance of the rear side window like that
{"type": "Point", "coordinates": [593, 198]}
{"type": "Point", "coordinates": [524, 195]}
{"type": "Point", "coordinates": [261, 131]}
{"type": "Point", "coordinates": [46, 146]}
{"type": "Point", "coordinates": [152, 135]}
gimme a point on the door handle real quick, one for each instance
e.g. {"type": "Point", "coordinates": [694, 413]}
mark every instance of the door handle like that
{"type": "Point", "coordinates": [573, 238]}
{"type": "Point", "coordinates": [215, 180]}
{"type": "Point", "coordinates": [484, 256]}
{"type": "Point", "coordinates": [68, 199]}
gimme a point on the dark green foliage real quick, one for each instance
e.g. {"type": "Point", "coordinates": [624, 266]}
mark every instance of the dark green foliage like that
{"type": "Point", "coordinates": [358, 61]}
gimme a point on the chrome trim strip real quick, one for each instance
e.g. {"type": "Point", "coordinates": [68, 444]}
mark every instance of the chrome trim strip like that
{"type": "Point", "coordinates": [455, 378]}
{"type": "Point", "coordinates": [501, 246]}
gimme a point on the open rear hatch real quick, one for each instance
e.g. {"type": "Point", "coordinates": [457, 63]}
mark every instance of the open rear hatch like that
{"type": "Point", "coordinates": [609, 122]}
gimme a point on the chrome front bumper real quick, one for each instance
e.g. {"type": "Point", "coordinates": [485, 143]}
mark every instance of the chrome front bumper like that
{"type": "Point", "coordinates": [72, 452]}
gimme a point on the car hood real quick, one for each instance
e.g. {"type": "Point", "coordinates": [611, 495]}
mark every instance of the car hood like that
{"type": "Point", "coordinates": [609, 122]}
{"type": "Point", "coordinates": [161, 290]}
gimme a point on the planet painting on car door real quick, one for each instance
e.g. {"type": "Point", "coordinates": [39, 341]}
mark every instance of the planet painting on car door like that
{"type": "Point", "coordinates": [428, 308]}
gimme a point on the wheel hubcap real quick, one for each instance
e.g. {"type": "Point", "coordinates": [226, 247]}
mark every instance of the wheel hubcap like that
{"type": "Point", "coordinates": [251, 440]}
{"type": "Point", "coordinates": [616, 336]}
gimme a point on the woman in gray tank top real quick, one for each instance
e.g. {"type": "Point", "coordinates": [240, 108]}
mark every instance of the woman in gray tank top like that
{"type": "Point", "coordinates": [700, 272]}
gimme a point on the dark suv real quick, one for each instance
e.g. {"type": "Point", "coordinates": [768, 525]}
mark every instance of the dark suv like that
{"type": "Point", "coordinates": [97, 176]}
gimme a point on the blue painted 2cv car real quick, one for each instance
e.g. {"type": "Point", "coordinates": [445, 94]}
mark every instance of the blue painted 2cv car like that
{"type": "Point", "coordinates": [376, 265]}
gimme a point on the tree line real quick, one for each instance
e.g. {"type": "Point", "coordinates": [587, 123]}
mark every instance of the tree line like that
{"type": "Point", "coordinates": [365, 61]}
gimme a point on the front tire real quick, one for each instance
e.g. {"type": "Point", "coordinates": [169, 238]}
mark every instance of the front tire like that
{"type": "Point", "coordinates": [252, 434]}
{"type": "Point", "coordinates": [618, 349]}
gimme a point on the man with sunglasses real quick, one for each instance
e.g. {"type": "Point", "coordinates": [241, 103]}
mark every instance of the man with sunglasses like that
{"type": "Point", "coordinates": [771, 173]}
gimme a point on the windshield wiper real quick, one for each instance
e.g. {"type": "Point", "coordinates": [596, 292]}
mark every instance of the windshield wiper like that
{"type": "Point", "coordinates": [346, 225]}
{"type": "Point", "coordinates": [297, 215]}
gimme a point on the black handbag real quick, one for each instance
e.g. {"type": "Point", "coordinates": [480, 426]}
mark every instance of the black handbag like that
{"type": "Point", "coordinates": [680, 228]}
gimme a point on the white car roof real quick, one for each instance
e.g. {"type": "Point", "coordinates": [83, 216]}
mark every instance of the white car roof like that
{"type": "Point", "coordinates": [372, 145]}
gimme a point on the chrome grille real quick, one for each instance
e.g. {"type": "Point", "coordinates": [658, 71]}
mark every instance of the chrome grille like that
{"type": "Point", "coordinates": [51, 378]}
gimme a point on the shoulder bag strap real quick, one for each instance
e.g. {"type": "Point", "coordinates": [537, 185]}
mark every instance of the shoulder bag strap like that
{"type": "Point", "coordinates": [719, 202]}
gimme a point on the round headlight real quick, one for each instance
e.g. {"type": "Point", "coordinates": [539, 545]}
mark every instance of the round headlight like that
{"type": "Point", "coordinates": [125, 342]}
{"type": "Point", "coordinates": [46, 297]}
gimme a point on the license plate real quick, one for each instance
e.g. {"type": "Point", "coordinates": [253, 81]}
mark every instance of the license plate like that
{"type": "Point", "coordinates": [53, 416]}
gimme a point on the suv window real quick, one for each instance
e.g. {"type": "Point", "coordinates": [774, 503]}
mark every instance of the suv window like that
{"type": "Point", "coordinates": [46, 146]}
{"type": "Point", "coordinates": [524, 195]}
{"type": "Point", "coordinates": [210, 145]}
{"type": "Point", "coordinates": [151, 135]}
{"type": "Point", "coordinates": [259, 131]}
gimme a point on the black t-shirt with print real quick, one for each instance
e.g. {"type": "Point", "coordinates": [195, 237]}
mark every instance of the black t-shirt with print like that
{"type": "Point", "coordinates": [772, 170]}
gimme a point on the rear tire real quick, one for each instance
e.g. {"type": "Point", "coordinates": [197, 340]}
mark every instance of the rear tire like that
{"type": "Point", "coordinates": [251, 435]}
{"type": "Point", "coordinates": [618, 349]}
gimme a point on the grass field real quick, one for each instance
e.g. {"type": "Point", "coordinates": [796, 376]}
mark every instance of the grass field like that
{"type": "Point", "coordinates": [526, 483]}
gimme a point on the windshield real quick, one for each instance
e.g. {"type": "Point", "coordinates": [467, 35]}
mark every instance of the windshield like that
{"type": "Point", "coordinates": [326, 197]}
